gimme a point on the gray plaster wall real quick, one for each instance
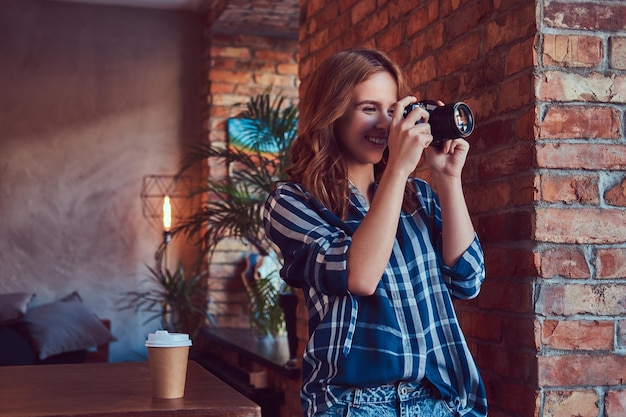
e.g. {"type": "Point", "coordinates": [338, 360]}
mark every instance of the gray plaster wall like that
{"type": "Point", "coordinates": [92, 98]}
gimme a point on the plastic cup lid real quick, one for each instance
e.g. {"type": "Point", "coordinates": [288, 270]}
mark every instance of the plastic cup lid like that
{"type": "Point", "coordinates": [162, 338]}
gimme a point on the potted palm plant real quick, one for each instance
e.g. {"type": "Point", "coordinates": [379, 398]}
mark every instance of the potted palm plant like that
{"type": "Point", "coordinates": [257, 157]}
{"type": "Point", "coordinates": [175, 298]}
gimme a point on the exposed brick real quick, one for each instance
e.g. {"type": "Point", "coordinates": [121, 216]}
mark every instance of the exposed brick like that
{"type": "Point", "coordinates": [375, 23]}
{"type": "Point", "coordinates": [390, 40]}
{"type": "Point", "coordinates": [577, 155]}
{"type": "Point", "coordinates": [482, 326]}
{"type": "Point", "coordinates": [222, 64]}
{"type": "Point", "coordinates": [520, 57]}
{"type": "Point", "coordinates": [500, 359]}
{"type": "Point", "coordinates": [618, 52]}
{"type": "Point", "coordinates": [458, 55]}
{"type": "Point", "coordinates": [514, 24]}
{"type": "Point", "coordinates": [611, 263]}
{"type": "Point", "coordinates": [288, 69]}
{"type": "Point", "coordinates": [505, 296]}
{"type": "Point", "coordinates": [502, 5]}
{"type": "Point", "coordinates": [572, 299]}
{"type": "Point", "coordinates": [467, 16]}
{"type": "Point", "coordinates": [505, 162]}
{"type": "Point", "coordinates": [615, 403]}
{"type": "Point", "coordinates": [422, 70]}
{"type": "Point", "coordinates": [515, 93]}
{"type": "Point", "coordinates": [519, 333]}
{"type": "Point", "coordinates": [228, 100]}
{"type": "Point", "coordinates": [616, 196]}
{"type": "Point", "coordinates": [276, 56]}
{"type": "Point", "coordinates": [578, 334]}
{"type": "Point", "coordinates": [362, 10]}
{"type": "Point", "coordinates": [425, 43]}
{"type": "Point", "coordinates": [496, 261]}
{"type": "Point", "coordinates": [491, 197]}
{"type": "Point", "coordinates": [233, 77]}
{"type": "Point", "coordinates": [521, 263]}
{"type": "Point", "coordinates": [275, 80]}
{"type": "Point", "coordinates": [568, 189]}
{"type": "Point", "coordinates": [505, 227]}
{"type": "Point", "coordinates": [340, 26]}
{"type": "Point", "coordinates": [525, 190]}
{"type": "Point", "coordinates": [571, 403]}
{"type": "Point", "coordinates": [560, 261]}
{"type": "Point", "coordinates": [594, 87]}
{"type": "Point", "coordinates": [230, 52]}
{"type": "Point", "coordinates": [484, 104]}
{"type": "Point", "coordinates": [222, 88]}
{"type": "Point", "coordinates": [313, 6]}
{"type": "Point", "coordinates": [581, 370]}
{"type": "Point", "coordinates": [491, 73]}
{"type": "Point", "coordinates": [513, 398]}
{"type": "Point", "coordinates": [580, 225]}
{"type": "Point", "coordinates": [572, 50]}
{"type": "Point", "coordinates": [421, 18]}
{"type": "Point", "coordinates": [319, 40]}
{"type": "Point", "coordinates": [493, 134]}
{"type": "Point", "coordinates": [621, 333]}
{"type": "Point", "coordinates": [610, 17]}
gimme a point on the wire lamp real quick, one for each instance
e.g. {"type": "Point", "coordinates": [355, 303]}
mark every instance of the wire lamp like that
{"type": "Point", "coordinates": [165, 200]}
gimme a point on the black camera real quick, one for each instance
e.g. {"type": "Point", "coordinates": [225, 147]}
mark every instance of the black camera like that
{"type": "Point", "coordinates": [446, 122]}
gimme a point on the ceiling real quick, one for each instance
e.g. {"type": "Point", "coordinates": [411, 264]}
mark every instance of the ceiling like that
{"type": "Point", "coordinates": [259, 17]}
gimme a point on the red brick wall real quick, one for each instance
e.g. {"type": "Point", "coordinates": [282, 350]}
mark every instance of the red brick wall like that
{"type": "Point", "coordinates": [544, 180]}
{"type": "Point", "coordinates": [580, 219]}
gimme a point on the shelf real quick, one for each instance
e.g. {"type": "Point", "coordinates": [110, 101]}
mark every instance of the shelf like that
{"type": "Point", "coordinates": [272, 353]}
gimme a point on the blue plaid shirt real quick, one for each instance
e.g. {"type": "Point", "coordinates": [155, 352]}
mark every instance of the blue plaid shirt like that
{"type": "Point", "coordinates": [406, 331]}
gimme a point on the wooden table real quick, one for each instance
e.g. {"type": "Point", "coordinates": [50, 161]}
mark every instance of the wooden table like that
{"type": "Point", "coordinates": [113, 389]}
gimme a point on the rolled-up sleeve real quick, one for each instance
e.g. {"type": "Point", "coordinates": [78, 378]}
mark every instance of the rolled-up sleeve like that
{"type": "Point", "coordinates": [466, 277]}
{"type": "Point", "coordinates": [314, 250]}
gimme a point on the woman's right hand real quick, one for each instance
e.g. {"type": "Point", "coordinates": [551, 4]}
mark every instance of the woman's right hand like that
{"type": "Point", "coordinates": [407, 137]}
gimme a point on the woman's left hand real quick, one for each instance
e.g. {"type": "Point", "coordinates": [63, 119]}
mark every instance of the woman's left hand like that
{"type": "Point", "coordinates": [448, 160]}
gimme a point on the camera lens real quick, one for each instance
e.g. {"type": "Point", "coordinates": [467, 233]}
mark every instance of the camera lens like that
{"type": "Point", "coordinates": [463, 119]}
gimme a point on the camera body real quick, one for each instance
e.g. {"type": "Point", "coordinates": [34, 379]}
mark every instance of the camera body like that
{"type": "Point", "coordinates": [447, 122]}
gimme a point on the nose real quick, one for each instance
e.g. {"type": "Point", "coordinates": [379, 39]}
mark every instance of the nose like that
{"type": "Point", "coordinates": [383, 121]}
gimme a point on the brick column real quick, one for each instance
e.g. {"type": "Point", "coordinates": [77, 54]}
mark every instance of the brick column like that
{"type": "Point", "coordinates": [580, 220]}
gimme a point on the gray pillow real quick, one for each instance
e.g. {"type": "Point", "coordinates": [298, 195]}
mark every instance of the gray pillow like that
{"type": "Point", "coordinates": [13, 306]}
{"type": "Point", "coordinates": [63, 326]}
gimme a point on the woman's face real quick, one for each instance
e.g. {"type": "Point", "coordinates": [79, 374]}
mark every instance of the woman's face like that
{"type": "Point", "coordinates": [364, 127]}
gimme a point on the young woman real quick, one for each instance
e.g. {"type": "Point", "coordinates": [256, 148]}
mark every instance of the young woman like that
{"type": "Point", "coordinates": [378, 255]}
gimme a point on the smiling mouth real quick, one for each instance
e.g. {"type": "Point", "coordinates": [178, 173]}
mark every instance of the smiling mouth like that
{"type": "Point", "coordinates": [376, 141]}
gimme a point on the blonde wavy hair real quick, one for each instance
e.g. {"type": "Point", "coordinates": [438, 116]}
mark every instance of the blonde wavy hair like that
{"type": "Point", "coordinates": [316, 155]}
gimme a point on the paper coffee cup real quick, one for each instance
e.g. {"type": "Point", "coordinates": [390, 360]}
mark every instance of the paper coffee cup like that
{"type": "Point", "coordinates": [168, 354]}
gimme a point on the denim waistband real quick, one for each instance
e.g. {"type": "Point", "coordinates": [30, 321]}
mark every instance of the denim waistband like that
{"type": "Point", "coordinates": [391, 392]}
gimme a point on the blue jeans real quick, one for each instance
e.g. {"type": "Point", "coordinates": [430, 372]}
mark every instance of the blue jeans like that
{"type": "Point", "coordinates": [404, 399]}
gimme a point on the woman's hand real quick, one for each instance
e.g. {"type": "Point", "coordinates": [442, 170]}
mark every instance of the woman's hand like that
{"type": "Point", "coordinates": [448, 160]}
{"type": "Point", "coordinates": [407, 138]}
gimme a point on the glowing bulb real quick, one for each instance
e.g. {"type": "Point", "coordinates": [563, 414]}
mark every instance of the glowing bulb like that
{"type": "Point", "coordinates": [167, 213]}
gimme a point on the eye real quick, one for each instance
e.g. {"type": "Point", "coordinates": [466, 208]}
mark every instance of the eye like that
{"type": "Point", "coordinates": [369, 109]}
{"type": "Point", "coordinates": [390, 112]}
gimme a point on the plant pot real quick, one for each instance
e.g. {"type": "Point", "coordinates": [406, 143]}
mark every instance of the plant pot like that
{"type": "Point", "coordinates": [289, 304]}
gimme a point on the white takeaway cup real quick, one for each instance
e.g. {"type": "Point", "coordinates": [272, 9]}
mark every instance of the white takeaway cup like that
{"type": "Point", "coordinates": [168, 354]}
